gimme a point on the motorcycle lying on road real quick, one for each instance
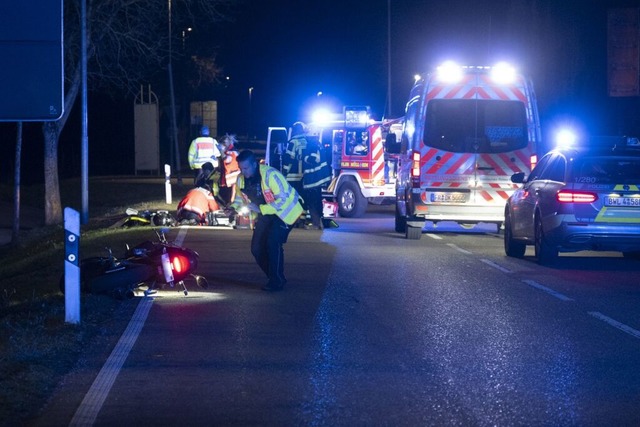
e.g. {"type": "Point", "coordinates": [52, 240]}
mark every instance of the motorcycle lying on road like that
{"type": "Point", "coordinates": [147, 217]}
{"type": "Point", "coordinates": [151, 264]}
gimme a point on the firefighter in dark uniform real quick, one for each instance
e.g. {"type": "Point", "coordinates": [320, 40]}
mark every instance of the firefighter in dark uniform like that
{"type": "Point", "coordinates": [292, 157]}
{"type": "Point", "coordinates": [316, 174]}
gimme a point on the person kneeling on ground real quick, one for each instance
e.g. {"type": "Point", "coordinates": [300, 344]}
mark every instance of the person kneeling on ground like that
{"type": "Point", "coordinates": [193, 208]}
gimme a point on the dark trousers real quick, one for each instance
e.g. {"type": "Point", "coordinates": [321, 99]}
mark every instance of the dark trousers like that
{"type": "Point", "coordinates": [188, 215]}
{"type": "Point", "coordinates": [313, 197]}
{"type": "Point", "coordinates": [269, 234]}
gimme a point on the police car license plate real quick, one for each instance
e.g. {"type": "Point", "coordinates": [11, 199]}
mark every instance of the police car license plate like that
{"type": "Point", "coordinates": [622, 201]}
{"type": "Point", "coordinates": [448, 197]}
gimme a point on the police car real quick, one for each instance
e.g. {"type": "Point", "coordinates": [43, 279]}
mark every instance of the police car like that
{"type": "Point", "coordinates": [576, 199]}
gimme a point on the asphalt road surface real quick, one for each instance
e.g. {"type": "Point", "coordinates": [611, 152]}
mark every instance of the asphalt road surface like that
{"type": "Point", "coordinates": [372, 329]}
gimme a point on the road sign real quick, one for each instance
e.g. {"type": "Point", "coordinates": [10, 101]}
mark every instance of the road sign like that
{"type": "Point", "coordinates": [31, 58]}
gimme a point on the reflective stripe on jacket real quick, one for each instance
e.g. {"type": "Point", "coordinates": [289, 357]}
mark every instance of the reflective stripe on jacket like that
{"type": "Point", "coordinates": [199, 201]}
{"type": "Point", "coordinates": [231, 168]}
{"type": "Point", "coordinates": [292, 158]}
{"type": "Point", "coordinates": [202, 150]}
{"type": "Point", "coordinates": [316, 170]}
{"type": "Point", "coordinates": [286, 203]}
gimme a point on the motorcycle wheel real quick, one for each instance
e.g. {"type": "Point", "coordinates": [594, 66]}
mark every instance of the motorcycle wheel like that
{"type": "Point", "coordinates": [119, 281]}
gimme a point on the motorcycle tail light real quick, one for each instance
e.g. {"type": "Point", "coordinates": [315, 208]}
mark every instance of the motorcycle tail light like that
{"type": "Point", "coordinates": [567, 196]}
{"type": "Point", "coordinates": [180, 263]}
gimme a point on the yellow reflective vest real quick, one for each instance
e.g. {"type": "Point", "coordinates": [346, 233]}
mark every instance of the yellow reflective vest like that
{"type": "Point", "coordinates": [282, 199]}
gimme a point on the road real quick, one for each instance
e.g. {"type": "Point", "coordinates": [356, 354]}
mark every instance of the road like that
{"type": "Point", "coordinates": [373, 329]}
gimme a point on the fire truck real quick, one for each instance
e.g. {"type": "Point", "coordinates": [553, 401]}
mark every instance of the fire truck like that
{"type": "Point", "coordinates": [362, 172]}
{"type": "Point", "coordinates": [466, 131]}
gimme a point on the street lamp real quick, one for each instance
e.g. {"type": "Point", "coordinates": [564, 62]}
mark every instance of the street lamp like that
{"type": "Point", "coordinates": [184, 35]}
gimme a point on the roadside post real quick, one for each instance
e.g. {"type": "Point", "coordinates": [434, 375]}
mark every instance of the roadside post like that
{"type": "Point", "coordinates": [72, 265]}
{"type": "Point", "coordinates": [167, 183]}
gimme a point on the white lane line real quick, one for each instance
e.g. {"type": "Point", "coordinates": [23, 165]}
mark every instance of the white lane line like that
{"type": "Point", "coordinates": [494, 265]}
{"type": "Point", "coordinates": [92, 403]}
{"type": "Point", "coordinates": [181, 235]}
{"type": "Point", "coordinates": [94, 399]}
{"type": "Point", "coordinates": [624, 328]}
{"type": "Point", "coordinates": [434, 236]}
{"type": "Point", "coordinates": [459, 249]}
{"type": "Point", "coordinates": [550, 291]}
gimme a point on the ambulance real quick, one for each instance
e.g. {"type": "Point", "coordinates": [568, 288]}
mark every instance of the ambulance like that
{"type": "Point", "coordinates": [466, 130]}
{"type": "Point", "coordinates": [362, 172]}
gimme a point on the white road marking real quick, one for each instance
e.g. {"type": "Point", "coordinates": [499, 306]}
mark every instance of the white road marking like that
{"type": "Point", "coordinates": [92, 403]}
{"type": "Point", "coordinates": [88, 410]}
{"type": "Point", "coordinates": [434, 236]}
{"type": "Point", "coordinates": [624, 328]}
{"type": "Point", "coordinates": [495, 265]}
{"type": "Point", "coordinates": [459, 249]}
{"type": "Point", "coordinates": [181, 235]}
{"type": "Point", "coordinates": [547, 290]}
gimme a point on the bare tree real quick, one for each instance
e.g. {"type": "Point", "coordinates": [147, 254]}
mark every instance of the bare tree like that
{"type": "Point", "coordinates": [128, 41]}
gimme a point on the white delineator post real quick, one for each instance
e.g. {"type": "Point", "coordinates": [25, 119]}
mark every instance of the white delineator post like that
{"type": "Point", "coordinates": [167, 183]}
{"type": "Point", "coordinates": [72, 265]}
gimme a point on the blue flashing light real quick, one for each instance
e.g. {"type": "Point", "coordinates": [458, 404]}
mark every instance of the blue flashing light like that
{"type": "Point", "coordinates": [449, 72]}
{"type": "Point", "coordinates": [503, 73]}
{"type": "Point", "coordinates": [321, 116]}
{"type": "Point", "coordinates": [566, 138]}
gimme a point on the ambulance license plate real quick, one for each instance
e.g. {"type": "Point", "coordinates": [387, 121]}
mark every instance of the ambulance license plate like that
{"type": "Point", "coordinates": [448, 197]}
{"type": "Point", "coordinates": [622, 201]}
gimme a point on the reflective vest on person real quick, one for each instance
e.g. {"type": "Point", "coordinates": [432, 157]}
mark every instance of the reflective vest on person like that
{"type": "Point", "coordinates": [231, 168]}
{"type": "Point", "coordinates": [281, 198]}
{"type": "Point", "coordinates": [203, 149]}
{"type": "Point", "coordinates": [292, 158]}
{"type": "Point", "coordinates": [316, 170]}
{"type": "Point", "coordinates": [198, 200]}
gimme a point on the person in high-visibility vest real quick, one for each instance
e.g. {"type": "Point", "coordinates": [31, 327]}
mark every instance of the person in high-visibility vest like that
{"type": "Point", "coordinates": [266, 192]}
{"type": "Point", "coordinates": [230, 169]}
{"type": "Point", "coordinates": [203, 149]}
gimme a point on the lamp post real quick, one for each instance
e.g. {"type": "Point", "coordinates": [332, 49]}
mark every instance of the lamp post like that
{"type": "Point", "coordinates": [174, 122]}
{"type": "Point", "coordinates": [388, 58]}
{"type": "Point", "coordinates": [249, 117]}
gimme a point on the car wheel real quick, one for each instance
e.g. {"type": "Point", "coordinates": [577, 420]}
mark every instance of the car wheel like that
{"type": "Point", "coordinates": [413, 233]}
{"type": "Point", "coordinates": [351, 202]}
{"type": "Point", "coordinates": [512, 247]}
{"type": "Point", "coordinates": [401, 221]}
{"type": "Point", "coordinates": [545, 252]}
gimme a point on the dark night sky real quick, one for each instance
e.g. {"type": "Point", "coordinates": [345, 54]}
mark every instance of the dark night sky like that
{"type": "Point", "coordinates": [289, 50]}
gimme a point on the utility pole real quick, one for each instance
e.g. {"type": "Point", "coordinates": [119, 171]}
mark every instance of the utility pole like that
{"type": "Point", "coordinates": [388, 58]}
{"type": "Point", "coordinates": [174, 124]}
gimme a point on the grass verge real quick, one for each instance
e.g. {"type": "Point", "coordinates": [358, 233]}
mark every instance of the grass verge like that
{"type": "Point", "coordinates": [37, 347]}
